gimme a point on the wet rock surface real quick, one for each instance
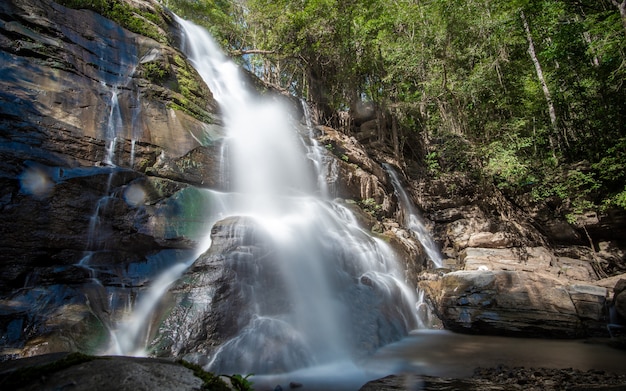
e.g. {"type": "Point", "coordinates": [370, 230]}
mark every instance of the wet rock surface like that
{"type": "Point", "coordinates": [88, 214]}
{"type": "Point", "coordinates": [547, 285]}
{"type": "Point", "coordinates": [619, 298]}
{"type": "Point", "coordinates": [235, 308]}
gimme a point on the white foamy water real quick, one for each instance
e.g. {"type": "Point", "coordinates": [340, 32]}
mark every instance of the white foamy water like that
{"type": "Point", "coordinates": [345, 292]}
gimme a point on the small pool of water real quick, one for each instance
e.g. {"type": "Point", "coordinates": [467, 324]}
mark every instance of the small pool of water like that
{"type": "Point", "coordinates": [443, 353]}
{"type": "Point", "coordinates": [447, 354]}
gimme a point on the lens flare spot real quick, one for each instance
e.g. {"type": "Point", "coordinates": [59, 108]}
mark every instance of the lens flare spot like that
{"type": "Point", "coordinates": [36, 182]}
{"type": "Point", "coordinates": [134, 195]}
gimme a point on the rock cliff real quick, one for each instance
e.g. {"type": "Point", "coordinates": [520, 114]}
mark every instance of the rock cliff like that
{"type": "Point", "coordinates": [104, 133]}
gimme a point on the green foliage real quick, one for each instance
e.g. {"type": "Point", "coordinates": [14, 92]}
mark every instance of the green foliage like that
{"type": "Point", "coordinates": [241, 383]}
{"type": "Point", "coordinates": [432, 162]}
{"type": "Point", "coordinates": [210, 382]}
{"type": "Point", "coordinates": [154, 71]}
{"type": "Point", "coordinates": [612, 166]}
{"type": "Point", "coordinates": [504, 163]}
{"type": "Point", "coordinates": [461, 73]}
{"type": "Point", "coordinates": [135, 20]}
{"type": "Point", "coordinates": [578, 190]}
{"type": "Point", "coordinates": [222, 18]}
{"type": "Point", "coordinates": [370, 206]}
{"type": "Point", "coordinates": [619, 199]}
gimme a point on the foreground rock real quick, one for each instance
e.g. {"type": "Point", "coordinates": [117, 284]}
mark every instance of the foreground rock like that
{"type": "Point", "coordinates": [63, 372]}
{"type": "Point", "coordinates": [503, 378]}
{"type": "Point", "coordinates": [77, 372]}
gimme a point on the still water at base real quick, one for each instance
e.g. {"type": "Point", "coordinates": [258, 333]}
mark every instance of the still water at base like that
{"type": "Point", "coordinates": [445, 354]}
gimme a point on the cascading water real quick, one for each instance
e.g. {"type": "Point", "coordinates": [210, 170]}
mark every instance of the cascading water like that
{"type": "Point", "coordinates": [325, 166]}
{"type": "Point", "coordinates": [413, 221]}
{"type": "Point", "coordinates": [324, 290]}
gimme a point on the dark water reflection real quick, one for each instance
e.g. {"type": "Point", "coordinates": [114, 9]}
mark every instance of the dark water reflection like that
{"type": "Point", "coordinates": [442, 353]}
{"type": "Point", "coordinates": [446, 354]}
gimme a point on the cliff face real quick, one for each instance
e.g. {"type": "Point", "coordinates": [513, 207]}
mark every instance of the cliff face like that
{"type": "Point", "coordinates": [82, 116]}
{"type": "Point", "coordinates": [104, 134]}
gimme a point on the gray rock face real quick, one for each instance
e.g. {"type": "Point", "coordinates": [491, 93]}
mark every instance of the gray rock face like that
{"type": "Point", "coordinates": [102, 373]}
{"type": "Point", "coordinates": [483, 233]}
{"type": "Point", "coordinates": [73, 103]}
{"type": "Point", "coordinates": [209, 301]}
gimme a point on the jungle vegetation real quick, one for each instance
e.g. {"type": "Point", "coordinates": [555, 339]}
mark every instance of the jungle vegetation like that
{"type": "Point", "coordinates": [534, 91]}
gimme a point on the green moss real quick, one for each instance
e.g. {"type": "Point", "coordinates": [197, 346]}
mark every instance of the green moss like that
{"type": "Point", "coordinates": [24, 376]}
{"type": "Point", "coordinates": [192, 95]}
{"type": "Point", "coordinates": [137, 21]}
{"type": "Point", "coordinates": [370, 206]}
{"type": "Point", "coordinates": [92, 335]}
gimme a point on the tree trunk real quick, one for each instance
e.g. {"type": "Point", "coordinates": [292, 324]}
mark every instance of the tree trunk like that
{"type": "Point", "coordinates": [622, 11]}
{"type": "Point", "coordinates": [542, 80]}
{"type": "Point", "coordinates": [396, 138]}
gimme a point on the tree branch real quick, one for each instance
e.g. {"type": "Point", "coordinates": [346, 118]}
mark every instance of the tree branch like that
{"type": "Point", "coordinates": [251, 51]}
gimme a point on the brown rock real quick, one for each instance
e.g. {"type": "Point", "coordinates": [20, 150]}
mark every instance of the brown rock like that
{"type": "Point", "coordinates": [515, 303]}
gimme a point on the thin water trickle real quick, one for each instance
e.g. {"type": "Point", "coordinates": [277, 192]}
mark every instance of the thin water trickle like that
{"type": "Point", "coordinates": [114, 124]}
{"type": "Point", "coordinates": [130, 336]}
{"type": "Point", "coordinates": [132, 153]}
{"type": "Point", "coordinates": [414, 221]}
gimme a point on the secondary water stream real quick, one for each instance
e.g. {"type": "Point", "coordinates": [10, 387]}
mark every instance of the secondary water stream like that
{"type": "Point", "coordinates": [414, 221]}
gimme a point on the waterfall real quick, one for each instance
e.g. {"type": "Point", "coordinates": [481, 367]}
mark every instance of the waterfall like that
{"type": "Point", "coordinates": [342, 294]}
{"type": "Point", "coordinates": [114, 125]}
{"type": "Point", "coordinates": [413, 221]}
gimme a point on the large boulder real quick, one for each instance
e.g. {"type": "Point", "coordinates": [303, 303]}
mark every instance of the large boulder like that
{"type": "Point", "coordinates": [83, 373]}
{"type": "Point", "coordinates": [210, 303]}
{"type": "Point", "coordinates": [518, 303]}
{"type": "Point", "coordinates": [292, 298]}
